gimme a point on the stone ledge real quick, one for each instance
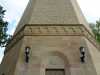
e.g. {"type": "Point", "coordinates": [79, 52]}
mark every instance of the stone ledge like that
{"type": "Point", "coordinates": [52, 30]}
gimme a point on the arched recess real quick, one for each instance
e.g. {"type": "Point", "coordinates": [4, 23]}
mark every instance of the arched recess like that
{"type": "Point", "coordinates": [54, 60]}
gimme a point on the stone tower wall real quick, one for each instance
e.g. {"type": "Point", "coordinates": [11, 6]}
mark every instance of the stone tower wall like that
{"type": "Point", "coordinates": [65, 47]}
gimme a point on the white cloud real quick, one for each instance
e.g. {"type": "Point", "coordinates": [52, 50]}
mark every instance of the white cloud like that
{"type": "Point", "coordinates": [1, 54]}
{"type": "Point", "coordinates": [14, 8]}
{"type": "Point", "coordinates": [14, 11]}
{"type": "Point", "coordinates": [90, 9]}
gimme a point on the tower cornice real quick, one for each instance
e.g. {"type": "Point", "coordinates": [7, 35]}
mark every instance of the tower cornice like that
{"type": "Point", "coordinates": [52, 30]}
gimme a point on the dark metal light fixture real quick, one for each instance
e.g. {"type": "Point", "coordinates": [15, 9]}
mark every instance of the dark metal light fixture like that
{"type": "Point", "coordinates": [27, 51]}
{"type": "Point", "coordinates": [82, 54]}
{"type": "Point", "coordinates": [3, 74]}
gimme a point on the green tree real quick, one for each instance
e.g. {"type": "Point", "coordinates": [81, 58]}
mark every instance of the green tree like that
{"type": "Point", "coordinates": [4, 37]}
{"type": "Point", "coordinates": [96, 30]}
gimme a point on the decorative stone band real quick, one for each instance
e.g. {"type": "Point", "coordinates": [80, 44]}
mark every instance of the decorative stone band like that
{"type": "Point", "coordinates": [52, 30]}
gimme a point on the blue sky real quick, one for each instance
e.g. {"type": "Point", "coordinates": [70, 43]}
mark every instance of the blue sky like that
{"type": "Point", "coordinates": [15, 8]}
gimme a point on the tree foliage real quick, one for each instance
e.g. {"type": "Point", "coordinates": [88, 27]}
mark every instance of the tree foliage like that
{"type": "Point", "coordinates": [4, 37]}
{"type": "Point", "coordinates": [96, 30]}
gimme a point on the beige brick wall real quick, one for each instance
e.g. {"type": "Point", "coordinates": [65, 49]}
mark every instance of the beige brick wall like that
{"type": "Point", "coordinates": [95, 54]}
{"type": "Point", "coordinates": [10, 59]}
{"type": "Point", "coordinates": [52, 12]}
{"type": "Point", "coordinates": [66, 48]}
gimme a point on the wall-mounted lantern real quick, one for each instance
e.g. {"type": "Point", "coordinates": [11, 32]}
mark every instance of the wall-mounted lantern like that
{"type": "Point", "coordinates": [27, 52]}
{"type": "Point", "coordinates": [3, 74]}
{"type": "Point", "coordinates": [82, 54]}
